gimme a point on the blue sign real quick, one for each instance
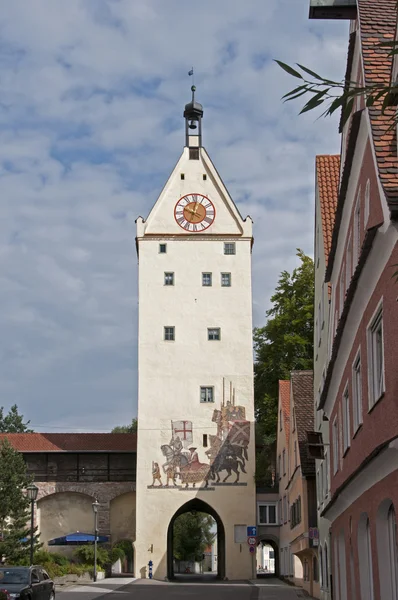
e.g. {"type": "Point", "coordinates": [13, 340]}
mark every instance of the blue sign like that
{"type": "Point", "coordinates": [251, 531]}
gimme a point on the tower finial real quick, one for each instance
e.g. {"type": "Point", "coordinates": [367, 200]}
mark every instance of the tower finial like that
{"type": "Point", "coordinates": [193, 114]}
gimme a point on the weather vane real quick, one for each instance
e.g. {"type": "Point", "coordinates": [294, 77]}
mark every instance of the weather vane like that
{"type": "Point", "coordinates": [193, 76]}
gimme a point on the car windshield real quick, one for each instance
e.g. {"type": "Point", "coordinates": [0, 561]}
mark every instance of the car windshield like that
{"type": "Point", "coordinates": [12, 576]}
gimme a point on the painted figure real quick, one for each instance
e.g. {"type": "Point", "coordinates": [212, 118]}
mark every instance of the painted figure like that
{"type": "Point", "coordinates": [195, 471]}
{"type": "Point", "coordinates": [171, 474]}
{"type": "Point", "coordinates": [156, 476]}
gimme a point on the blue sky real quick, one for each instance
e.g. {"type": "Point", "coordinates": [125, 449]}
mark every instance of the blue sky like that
{"type": "Point", "coordinates": [91, 100]}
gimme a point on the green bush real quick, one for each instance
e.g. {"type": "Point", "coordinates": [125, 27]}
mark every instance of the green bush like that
{"type": "Point", "coordinates": [85, 554]}
{"type": "Point", "coordinates": [117, 553]}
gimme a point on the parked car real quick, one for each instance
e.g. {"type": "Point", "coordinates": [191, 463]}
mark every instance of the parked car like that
{"type": "Point", "coordinates": [27, 583]}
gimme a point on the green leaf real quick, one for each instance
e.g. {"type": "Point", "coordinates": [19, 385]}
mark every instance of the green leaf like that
{"type": "Point", "coordinates": [297, 95]}
{"type": "Point", "coordinates": [310, 72]}
{"type": "Point", "coordinates": [288, 69]}
{"type": "Point", "coordinates": [297, 89]}
{"type": "Point", "coordinates": [347, 110]}
{"type": "Point", "coordinates": [370, 101]}
{"type": "Point", "coordinates": [336, 104]}
{"type": "Point", "coordinates": [311, 104]}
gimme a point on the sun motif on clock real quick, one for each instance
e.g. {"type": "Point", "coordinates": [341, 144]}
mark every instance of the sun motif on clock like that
{"type": "Point", "coordinates": [194, 212]}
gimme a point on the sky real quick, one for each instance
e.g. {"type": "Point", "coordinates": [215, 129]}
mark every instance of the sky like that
{"type": "Point", "coordinates": [91, 100]}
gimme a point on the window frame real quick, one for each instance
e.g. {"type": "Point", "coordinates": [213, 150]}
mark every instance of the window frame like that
{"type": "Point", "coordinates": [232, 246]}
{"type": "Point", "coordinates": [376, 320]}
{"type": "Point", "coordinates": [346, 419]}
{"type": "Point", "coordinates": [160, 251]}
{"type": "Point", "coordinates": [357, 396]}
{"type": "Point", "coordinates": [229, 279]}
{"type": "Point", "coordinates": [267, 505]}
{"type": "Point", "coordinates": [210, 276]}
{"type": "Point", "coordinates": [167, 275]}
{"type": "Point", "coordinates": [206, 388]}
{"type": "Point", "coordinates": [165, 338]}
{"type": "Point", "coordinates": [213, 339]}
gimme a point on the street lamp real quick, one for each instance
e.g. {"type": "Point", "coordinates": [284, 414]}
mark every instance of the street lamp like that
{"type": "Point", "coordinates": [31, 493]}
{"type": "Point", "coordinates": [95, 510]}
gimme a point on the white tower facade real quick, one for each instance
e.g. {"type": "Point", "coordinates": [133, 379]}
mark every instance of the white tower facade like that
{"type": "Point", "coordinates": [195, 363]}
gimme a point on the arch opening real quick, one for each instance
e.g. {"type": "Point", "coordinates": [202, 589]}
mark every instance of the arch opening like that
{"type": "Point", "coordinates": [267, 558]}
{"type": "Point", "coordinates": [196, 506]}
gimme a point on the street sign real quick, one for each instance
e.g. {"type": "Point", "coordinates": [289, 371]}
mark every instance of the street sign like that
{"type": "Point", "coordinates": [251, 541]}
{"type": "Point", "coordinates": [252, 549]}
{"type": "Point", "coordinates": [252, 531]}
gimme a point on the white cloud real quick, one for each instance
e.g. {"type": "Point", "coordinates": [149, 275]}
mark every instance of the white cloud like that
{"type": "Point", "coordinates": [90, 127]}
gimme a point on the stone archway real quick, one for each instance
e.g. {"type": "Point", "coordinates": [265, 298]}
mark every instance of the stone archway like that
{"type": "Point", "coordinates": [199, 506]}
{"type": "Point", "coordinates": [273, 542]}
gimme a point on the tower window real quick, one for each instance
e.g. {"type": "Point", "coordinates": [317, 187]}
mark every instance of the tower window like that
{"type": "Point", "coordinates": [182, 176]}
{"type": "Point", "coordinates": [169, 334]}
{"type": "Point", "coordinates": [204, 176]}
{"type": "Point", "coordinates": [194, 154]}
{"type": "Point", "coordinates": [205, 440]}
{"type": "Point", "coordinates": [206, 395]}
{"type": "Point", "coordinates": [214, 333]}
{"type": "Point", "coordinates": [229, 248]}
{"type": "Point", "coordinates": [169, 279]}
{"type": "Point", "coordinates": [162, 248]}
{"type": "Point", "coordinates": [206, 279]}
{"type": "Point", "coordinates": [226, 279]}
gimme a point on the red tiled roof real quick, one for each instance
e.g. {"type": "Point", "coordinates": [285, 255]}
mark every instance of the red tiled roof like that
{"type": "Point", "coordinates": [72, 442]}
{"type": "Point", "coordinates": [303, 402]}
{"type": "Point", "coordinates": [378, 23]}
{"type": "Point", "coordinates": [284, 392]}
{"type": "Point", "coordinates": [328, 176]}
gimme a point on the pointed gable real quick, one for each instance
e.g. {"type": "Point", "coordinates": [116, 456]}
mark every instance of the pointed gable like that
{"type": "Point", "coordinates": [378, 23]}
{"type": "Point", "coordinates": [284, 404]}
{"type": "Point", "coordinates": [194, 177]}
{"type": "Point", "coordinates": [302, 391]}
{"type": "Point", "coordinates": [328, 176]}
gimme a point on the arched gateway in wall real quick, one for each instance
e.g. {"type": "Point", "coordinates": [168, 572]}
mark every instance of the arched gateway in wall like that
{"type": "Point", "coordinates": [198, 506]}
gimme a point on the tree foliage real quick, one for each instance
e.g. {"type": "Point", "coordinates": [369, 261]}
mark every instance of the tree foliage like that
{"type": "Point", "coordinates": [126, 428]}
{"type": "Point", "coordinates": [13, 422]}
{"type": "Point", "coordinates": [285, 343]}
{"type": "Point", "coordinates": [192, 535]}
{"type": "Point", "coordinates": [14, 506]}
{"type": "Point", "coordinates": [341, 94]}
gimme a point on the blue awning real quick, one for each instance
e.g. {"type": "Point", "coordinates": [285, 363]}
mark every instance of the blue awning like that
{"type": "Point", "coordinates": [78, 538]}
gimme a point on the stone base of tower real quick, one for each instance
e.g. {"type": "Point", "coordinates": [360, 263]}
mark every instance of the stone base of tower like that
{"type": "Point", "coordinates": [158, 510]}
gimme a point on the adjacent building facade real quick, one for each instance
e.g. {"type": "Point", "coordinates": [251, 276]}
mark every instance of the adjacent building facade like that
{"type": "Point", "coordinates": [358, 395]}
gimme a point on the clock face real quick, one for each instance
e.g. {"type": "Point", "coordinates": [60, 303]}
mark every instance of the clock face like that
{"type": "Point", "coordinates": [194, 212]}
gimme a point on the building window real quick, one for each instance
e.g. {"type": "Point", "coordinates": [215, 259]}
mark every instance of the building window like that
{"type": "Point", "coordinates": [284, 509]}
{"type": "Point", "coordinates": [348, 264]}
{"type": "Point", "coordinates": [267, 513]}
{"type": "Point", "coordinates": [204, 176]}
{"type": "Point", "coordinates": [376, 358]}
{"type": "Point", "coordinates": [207, 394]}
{"type": "Point", "coordinates": [205, 440]}
{"type": "Point", "coordinates": [182, 176]}
{"type": "Point", "coordinates": [357, 229]}
{"type": "Point", "coordinates": [229, 248]}
{"type": "Point", "coordinates": [169, 334]}
{"type": "Point", "coordinates": [206, 279]}
{"type": "Point", "coordinates": [367, 203]}
{"type": "Point", "coordinates": [194, 154]}
{"type": "Point", "coordinates": [162, 248]}
{"type": "Point", "coordinates": [214, 333]}
{"type": "Point", "coordinates": [226, 279]}
{"type": "Point", "coordinates": [169, 279]}
{"type": "Point", "coordinates": [335, 445]}
{"type": "Point", "coordinates": [357, 393]}
{"type": "Point", "coordinates": [284, 461]}
{"type": "Point", "coordinates": [280, 511]}
{"type": "Point", "coordinates": [346, 420]}
{"type": "Point", "coordinates": [321, 482]}
{"type": "Point", "coordinates": [326, 475]}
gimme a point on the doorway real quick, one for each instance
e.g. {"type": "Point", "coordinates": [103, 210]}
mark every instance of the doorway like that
{"type": "Point", "coordinates": [267, 558]}
{"type": "Point", "coordinates": [218, 565]}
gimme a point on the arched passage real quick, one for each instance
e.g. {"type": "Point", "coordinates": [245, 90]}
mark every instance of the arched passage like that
{"type": "Point", "coordinates": [274, 545]}
{"type": "Point", "coordinates": [199, 506]}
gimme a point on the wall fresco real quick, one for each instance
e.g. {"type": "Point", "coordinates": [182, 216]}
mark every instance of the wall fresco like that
{"type": "Point", "coordinates": [223, 462]}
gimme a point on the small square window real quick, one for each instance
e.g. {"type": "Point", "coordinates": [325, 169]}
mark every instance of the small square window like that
{"type": "Point", "coordinates": [229, 248]}
{"type": "Point", "coordinates": [207, 394]}
{"type": "Point", "coordinates": [194, 154]}
{"type": "Point", "coordinates": [204, 176]}
{"type": "Point", "coordinates": [182, 176]}
{"type": "Point", "coordinates": [206, 279]}
{"type": "Point", "coordinates": [169, 279]}
{"type": "Point", "coordinates": [213, 333]}
{"type": "Point", "coordinates": [169, 334]}
{"type": "Point", "coordinates": [162, 248]}
{"type": "Point", "coordinates": [226, 279]}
